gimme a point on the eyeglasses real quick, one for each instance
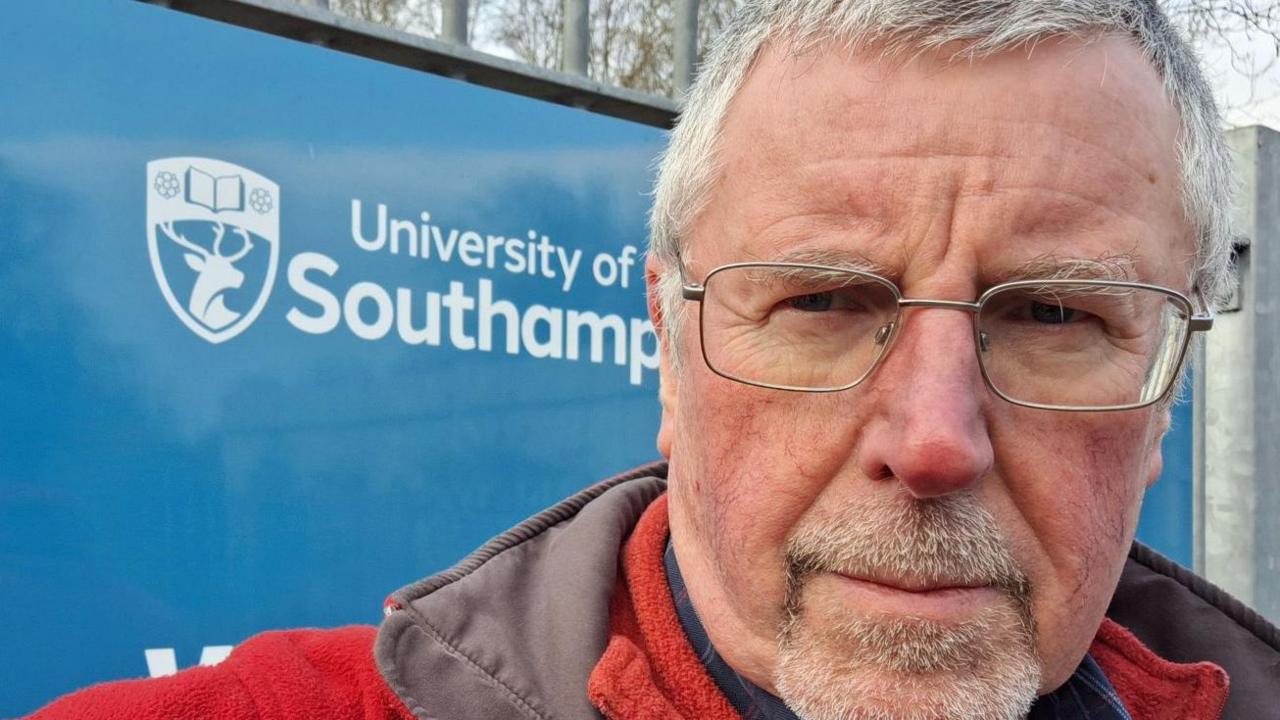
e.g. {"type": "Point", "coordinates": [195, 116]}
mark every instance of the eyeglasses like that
{"type": "Point", "coordinates": [1075, 345]}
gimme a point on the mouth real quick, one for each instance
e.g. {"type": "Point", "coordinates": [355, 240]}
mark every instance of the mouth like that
{"type": "Point", "coordinates": [939, 601]}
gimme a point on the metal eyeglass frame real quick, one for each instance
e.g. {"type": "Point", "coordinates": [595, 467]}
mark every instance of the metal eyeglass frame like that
{"type": "Point", "coordinates": [1197, 322]}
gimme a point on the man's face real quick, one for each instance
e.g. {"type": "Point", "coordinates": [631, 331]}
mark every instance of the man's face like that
{"type": "Point", "coordinates": [951, 177]}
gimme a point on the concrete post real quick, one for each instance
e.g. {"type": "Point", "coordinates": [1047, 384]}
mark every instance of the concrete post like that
{"type": "Point", "coordinates": [1241, 395]}
{"type": "Point", "coordinates": [322, 4]}
{"type": "Point", "coordinates": [576, 36]}
{"type": "Point", "coordinates": [686, 44]}
{"type": "Point", "coordinates": [453, 21]}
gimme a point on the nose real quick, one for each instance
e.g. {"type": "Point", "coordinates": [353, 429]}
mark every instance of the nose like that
{"type": "Point", "coordinates": [928, 429]}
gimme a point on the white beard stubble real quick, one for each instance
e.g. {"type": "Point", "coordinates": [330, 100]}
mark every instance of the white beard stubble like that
{"type": "Point", "coordinates": [837, 665]}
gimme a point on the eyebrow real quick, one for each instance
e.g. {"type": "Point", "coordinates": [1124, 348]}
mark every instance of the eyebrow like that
{"type": "Point", "coordinates": [1058, 267]}
{"type": "Point", "coordinates": [1049, 266]}
{"type": "Point", "coordinates": [829, 257]}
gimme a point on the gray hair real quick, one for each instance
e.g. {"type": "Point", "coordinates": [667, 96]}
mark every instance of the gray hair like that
{"type": "Point", "coordinates": [689, 165]}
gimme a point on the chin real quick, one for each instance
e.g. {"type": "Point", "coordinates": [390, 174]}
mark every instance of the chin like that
{"type": "Point", "coordinates": [890, 696]}
{"type": "Point", "coordinates": [879, 667]}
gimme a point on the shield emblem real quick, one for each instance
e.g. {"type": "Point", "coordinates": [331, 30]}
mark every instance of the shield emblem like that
{"type": "Point", "coordinates": [213, 233]}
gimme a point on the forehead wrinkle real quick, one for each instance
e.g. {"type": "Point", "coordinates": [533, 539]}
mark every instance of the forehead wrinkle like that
{"type": "Point", "coordinates": [811, 216]}
{"type": "Point", "coordinates": [1128, 158]}
{"type": "Point", "coordinates": [1065, 207]}
{"type": "Point", "coordinates": [996, 177]}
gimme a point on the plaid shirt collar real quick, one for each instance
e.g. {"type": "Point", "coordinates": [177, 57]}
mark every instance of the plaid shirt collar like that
{"type": "Point", "coordinates": [1087, 694]}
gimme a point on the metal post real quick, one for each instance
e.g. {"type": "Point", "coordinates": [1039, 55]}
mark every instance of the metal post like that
{"type": "Point", "coordinates": [576, 36]}
{"type": "Point", "coordinates": [686, 44]}
{"type": "Point", "coordinates": [453, 21]}
{"type": "Point", "coordinates": [1242, 398]}
{"type": "Point", "coordinates": [1198, 401]}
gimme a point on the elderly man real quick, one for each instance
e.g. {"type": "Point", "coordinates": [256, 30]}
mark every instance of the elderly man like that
{"type": "Point", "coordinates": [926, 274]}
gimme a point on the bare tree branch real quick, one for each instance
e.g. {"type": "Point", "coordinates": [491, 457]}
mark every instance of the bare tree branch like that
{"type": "Point", "coordinates": [1245, 32]}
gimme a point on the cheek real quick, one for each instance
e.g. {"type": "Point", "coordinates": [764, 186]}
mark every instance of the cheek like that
{"type": "Point", "coordinates": [750, 463]}
{"type": "Point", "coordinates": [1076, 484]}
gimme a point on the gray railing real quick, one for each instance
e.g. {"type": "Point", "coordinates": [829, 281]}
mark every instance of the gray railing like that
{"type": "Point", "coordinates": [576, 34]}
{"type": "Point", "coordinates": [311, 21]}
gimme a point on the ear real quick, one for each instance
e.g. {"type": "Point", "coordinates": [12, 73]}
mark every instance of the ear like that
{"type": "Point", "coordinates": [666, 376]}
{"type": "Point", "coordinates": [195, 262]}
{"type": "Point", "coordinates": [1155, 458]}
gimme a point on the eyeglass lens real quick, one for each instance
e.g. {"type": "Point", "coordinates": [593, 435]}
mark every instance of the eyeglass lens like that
{"type": "Point", "coordinates": [1059, 344]}
{"type": "Point", "coordinates": [1082, 345]}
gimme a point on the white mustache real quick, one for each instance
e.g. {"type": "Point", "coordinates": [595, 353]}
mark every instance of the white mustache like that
{"type": "Point", "coordinates": [913, 544]}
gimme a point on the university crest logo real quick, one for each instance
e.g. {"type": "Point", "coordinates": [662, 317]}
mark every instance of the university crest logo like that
{"type": "Point", "coordinates": [213, 232]}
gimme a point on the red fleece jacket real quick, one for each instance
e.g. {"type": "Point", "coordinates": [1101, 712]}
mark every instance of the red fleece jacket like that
{"type": "Point", "coordinates": [648, 671]}
{"type": "Point", "coordinates": [312, 674]}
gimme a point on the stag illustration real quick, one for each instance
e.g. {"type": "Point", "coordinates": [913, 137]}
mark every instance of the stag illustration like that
{"type": "Point", "coordinates": [216, 274]}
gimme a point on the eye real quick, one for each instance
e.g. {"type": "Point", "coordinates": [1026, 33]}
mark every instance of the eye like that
{"type": "Point", "coordinates": [1053, 314]}
{"type": "Point", "coordinates": [813, 302]}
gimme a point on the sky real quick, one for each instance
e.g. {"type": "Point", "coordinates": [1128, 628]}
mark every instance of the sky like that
{"type": "Point", "coordinates": [1248, 91]}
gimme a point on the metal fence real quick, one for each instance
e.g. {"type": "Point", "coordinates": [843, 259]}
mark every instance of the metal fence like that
{"type": "Point", "coordinates": [311, 21]}
{"type": "Point", "coordinates": [577, 34]}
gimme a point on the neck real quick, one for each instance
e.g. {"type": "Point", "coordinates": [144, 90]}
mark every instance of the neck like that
{"type": "Point", "coordinates": [741, 644]}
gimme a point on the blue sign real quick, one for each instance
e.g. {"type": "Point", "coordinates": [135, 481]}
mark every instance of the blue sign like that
{"type": "Point", "coordinates": [282, 330]}
{"type": "Point", "coordinates": [1167, 511]}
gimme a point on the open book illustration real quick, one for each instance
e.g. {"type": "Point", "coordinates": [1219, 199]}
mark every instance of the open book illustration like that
{"type": "Point", "coordinates": [215, 193]}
